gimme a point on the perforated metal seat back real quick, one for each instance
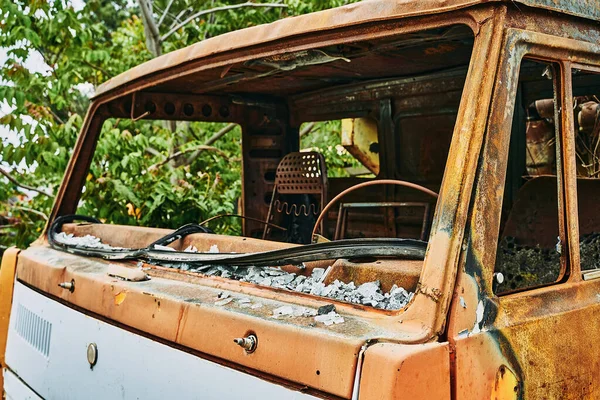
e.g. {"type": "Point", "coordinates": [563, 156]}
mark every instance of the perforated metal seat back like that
{"type": "Point", "coordinates": [300, 193]}
{"type": "Point", "coordinates": [301, 173]}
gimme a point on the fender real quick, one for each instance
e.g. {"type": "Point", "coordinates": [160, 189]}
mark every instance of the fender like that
{"type": "Point", "coordinates": [7, 285]}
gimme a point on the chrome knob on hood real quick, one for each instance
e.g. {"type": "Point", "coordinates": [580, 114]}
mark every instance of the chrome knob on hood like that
{"type": "Point", "coordinates": [248, 343]}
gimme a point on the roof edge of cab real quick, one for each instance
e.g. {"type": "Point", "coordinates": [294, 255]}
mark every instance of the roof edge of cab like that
{"type": "Point", "coordinates": [353, 14]}
{"type": "Point", "coordinates": [366, 11]}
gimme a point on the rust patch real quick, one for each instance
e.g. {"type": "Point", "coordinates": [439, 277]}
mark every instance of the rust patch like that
{"type": "Point", "coordinates": [180, 321]}
{"type": "Point", "coordinates": [434, 293]}
{"type": "Point", "coordinates": [440, 49]}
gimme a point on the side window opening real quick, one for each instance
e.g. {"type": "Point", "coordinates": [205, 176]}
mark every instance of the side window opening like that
{"type": "Point", "coordinates": [586, 101]}
{"type": "Point", "coordinates": [530, 249]}
{"type": "Point", "coordinates": [346, 155]}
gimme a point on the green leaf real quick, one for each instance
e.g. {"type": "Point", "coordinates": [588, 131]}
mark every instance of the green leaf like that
{"type": "Point", "coordinates": [20, 99]}
{"type": "Point", "coordinates": [125, 192]}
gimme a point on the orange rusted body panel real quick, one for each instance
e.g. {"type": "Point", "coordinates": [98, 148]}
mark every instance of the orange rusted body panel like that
{"type": "Point", "coordinates": [537, 335]}
{"type": "Point", "coordinates": [7, 278]}
{"type": "Point", "coordinates": [395, 371]}
{"type": "Point", "coordinates": [181, 314]}
{"type": "Point", "coordinates": [457, 339]}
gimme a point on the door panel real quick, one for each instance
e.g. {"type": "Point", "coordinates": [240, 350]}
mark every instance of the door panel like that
{"type": "Point", "coordinates": [535, 342]}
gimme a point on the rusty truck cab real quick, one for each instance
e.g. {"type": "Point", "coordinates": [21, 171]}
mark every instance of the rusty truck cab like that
{"type": "Point", "coordinates": [484, 111]}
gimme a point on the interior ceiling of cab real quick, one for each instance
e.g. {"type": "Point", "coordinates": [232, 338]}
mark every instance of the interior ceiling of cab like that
{"type": "Point", "coordinates": [301, 72]}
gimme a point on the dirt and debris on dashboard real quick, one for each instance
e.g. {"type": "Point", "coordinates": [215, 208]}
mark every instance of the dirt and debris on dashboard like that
{"type": "Point", "coordinates": [369, 293]}
{"type": "Point", "coordinates": [84, 241]}
{"type": "Point", "coordinates": [326, 314]}
{"type": "Point", "coordinates": [327, 318]}
{"type": "Point", "coordinates": [289, 311]}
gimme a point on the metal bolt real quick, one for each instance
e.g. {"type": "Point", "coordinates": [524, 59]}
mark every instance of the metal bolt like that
{"type": "Point", "coordinates": [248, 343]}
{"type": "Point", "coordinates": [70, 286]}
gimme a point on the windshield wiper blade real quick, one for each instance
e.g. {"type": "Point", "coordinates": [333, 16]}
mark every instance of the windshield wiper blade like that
{"type": "Point", "coordinates": [349, 248]}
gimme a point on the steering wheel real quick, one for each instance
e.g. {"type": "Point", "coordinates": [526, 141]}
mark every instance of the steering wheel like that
{"type": "Point", "coordinates": [366, 184]}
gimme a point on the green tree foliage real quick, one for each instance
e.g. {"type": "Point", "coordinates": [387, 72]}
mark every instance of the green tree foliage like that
{"type": "Point", "coordinates": [130, 181]}
{"type": "Point", "coordinates": [325, 137]}
{"type": "Point", "coordinates": [141, 188]}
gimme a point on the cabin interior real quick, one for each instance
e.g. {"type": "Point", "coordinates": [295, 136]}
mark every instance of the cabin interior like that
{"type": "Point", "coordinates": [396, 100]}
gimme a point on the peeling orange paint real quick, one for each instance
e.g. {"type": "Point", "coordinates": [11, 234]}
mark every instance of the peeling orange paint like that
{"type": "Point", "coordinates": [120, 298]}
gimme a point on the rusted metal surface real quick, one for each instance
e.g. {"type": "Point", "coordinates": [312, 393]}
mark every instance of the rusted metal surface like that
{"type": "Point", "coordinates": [409, 216]}
{"type": "Point", "coordinates": [368, 184]}
{"type": "Point", "coordinates": [403, 273]}
{"type": "Point", "coordinates": [276, 137]}
{"type": "Point", "coordinates": [354, 14]}
{"type": "Point", "coordinates": [73, 175]}
{"type": "Point", "coordinates": [178, 311]}
{"type": "Point", "coordinates": [7, 279]}
{"type": "Point", "coordinates": [267, 137]}
{"type": "Point", "coordinates": [533, 220]}
{"type": "Point", "coordinates": [541, 148]}
{"type": "Point", "coordinates": [588, 197]}
{"type": "Point", "coordinates": [526, 332]}
{"type": "Point", "coordinates": [394, 371]}
{"type": "Point", "coordinates": [139, 236]}
{"type": "Point", "coordinates": [359, 137]}
{"type": "Point", "coordinates": [373, 222]}
{"type": "Point", "coordinates": [45, 271]}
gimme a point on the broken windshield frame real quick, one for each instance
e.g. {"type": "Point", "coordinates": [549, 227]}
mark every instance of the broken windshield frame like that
{"type": "Point", "coordinates": [437, 274]}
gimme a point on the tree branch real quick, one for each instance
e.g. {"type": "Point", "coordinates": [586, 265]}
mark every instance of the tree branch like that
{"type": "Point", "coordinates": [182, 152]}
{"type": "Point", "coordinates": [307, 129]}
{"type": "Point", "coordinates": [31, 210]}
{"type": "Point", "coordinates": [55, 116]}
{"type": "Point", "coordinates": [16, 182]}
{"type": "Point", "coordinates": [228, 128]}
{"type": "Point", "coordinates": [97, 68]}
{"type": "Point", "coordinates": [212, 140]}
{"type": "Point", "coordinates": [153, 40]}
{"type": "Point", "coordinates": [45, 58]}
{"type": "Point", "coordinates": [15, 224]}
{"type": "Point", "coordinates": [162, 17]}
{"type": "Point", "coordinates": [180, 15]}
{"type": "Point", "coordinates": [153, 151]}
{"type": "Point", "coordinates": [216, 9]}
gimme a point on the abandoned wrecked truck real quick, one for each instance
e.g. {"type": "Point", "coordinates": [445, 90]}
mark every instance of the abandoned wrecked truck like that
{"type": "Point", "coordinates": [465, 264]}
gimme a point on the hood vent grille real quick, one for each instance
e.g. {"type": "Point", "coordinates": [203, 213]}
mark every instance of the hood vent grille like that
{"type": "Point", "coordinates": [34, 329]}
